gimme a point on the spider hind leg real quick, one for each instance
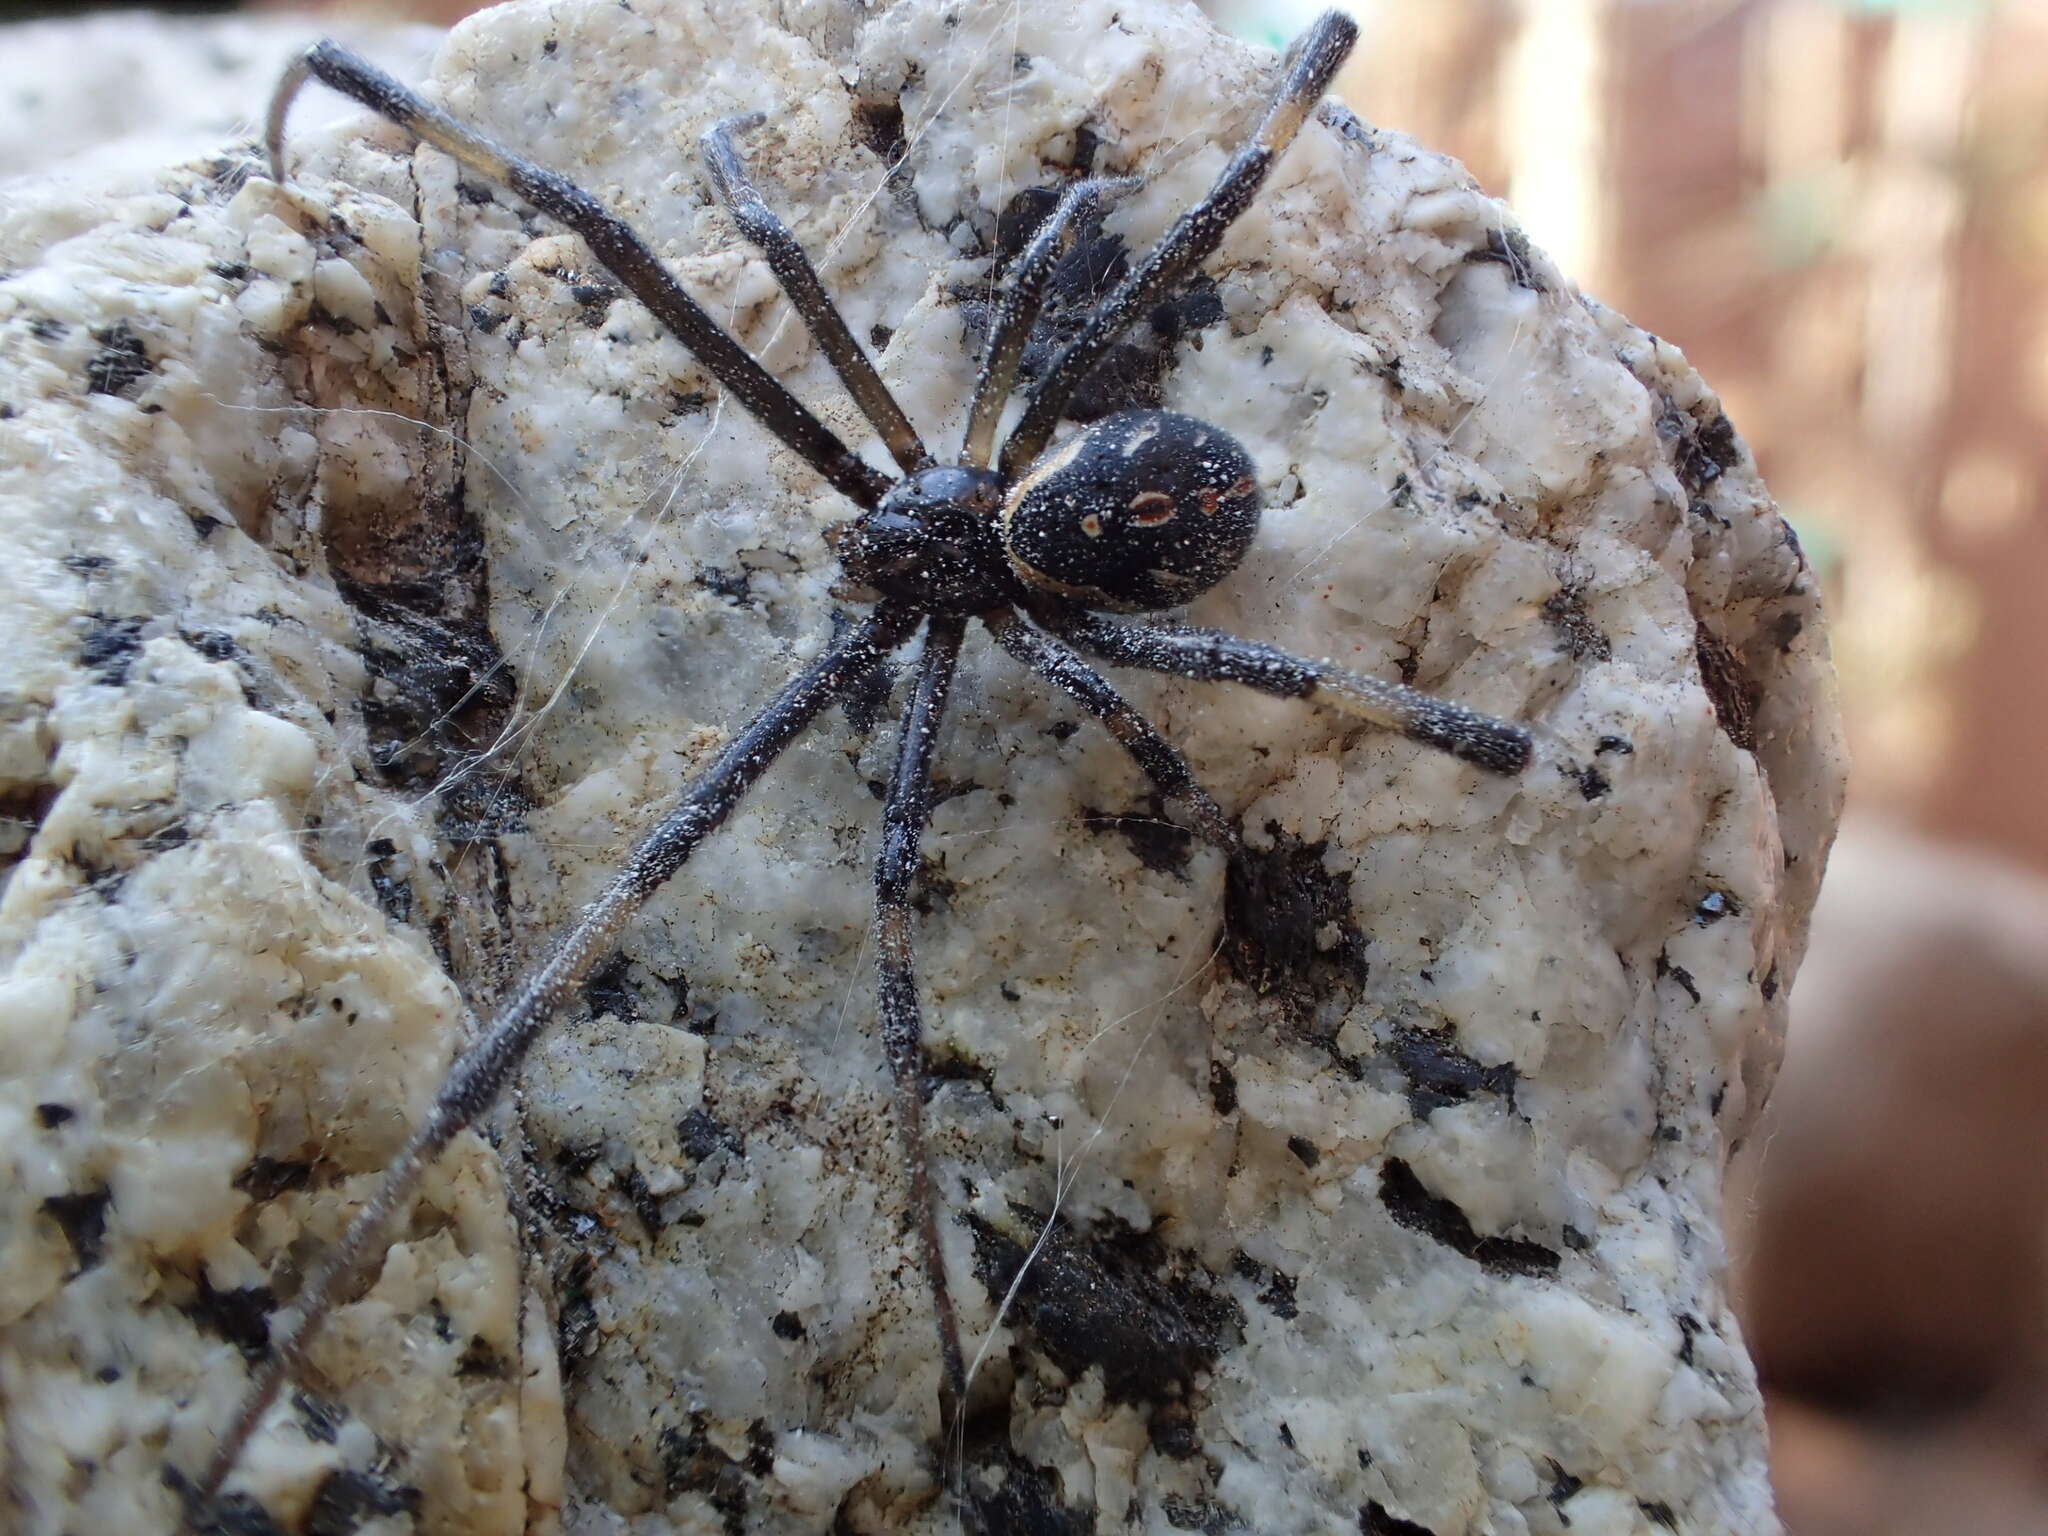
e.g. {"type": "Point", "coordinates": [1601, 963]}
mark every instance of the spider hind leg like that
{"type": "Point", "coordinates": [907, 807]}
{"type": "Point", "coordinates": [1212, 656]}
{"type": "Point", "coordinates": [481, 1074]}
{"type": "Point", "coordinates": [1161, 761]}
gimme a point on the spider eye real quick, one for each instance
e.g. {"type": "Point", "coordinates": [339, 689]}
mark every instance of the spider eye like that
{"type": "Point", "coordinates": [1144, 509]}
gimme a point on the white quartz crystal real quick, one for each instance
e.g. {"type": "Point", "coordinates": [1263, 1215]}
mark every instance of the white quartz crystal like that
{"type": "Point", "coordinates": [373, 573]}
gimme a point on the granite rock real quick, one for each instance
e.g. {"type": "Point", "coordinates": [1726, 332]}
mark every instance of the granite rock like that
{"type": "Point", "coordinates": [376, 572]}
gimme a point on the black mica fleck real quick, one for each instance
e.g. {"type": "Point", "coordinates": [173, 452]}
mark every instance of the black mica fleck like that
{"type": "Point", "coordinates": [1151, 1317]}
{"type": "Point", "coordinates": [321, 1418]}
{"type": "Point", "coordinates": [230, 1514]}
{"type": "Point", "coordinates": [735, 586]}
{"type": "Point", "coordinates": [606, 992]}
{"type": "Point", "coordinates": [1509, 248]}
{"type": "Point", "coordinates": [576, 1325]}
{"type": "Point", "coordinates": [1562, 1486]}
{"type": "Point", "coordinates": [1440, 1075]}
{"type": "Point", "coordinates": [879, 125]}
{"type": "Point", "coordinates": [692, 1463]}
{"type": "Point", "coordinates": [1222, 1088]}
{"type": "Point", "coordinates": [1591, 781]}
{"type": "Point", "coordinates": [121, 363]}
{"type": "Point", "coordinates": [479, 1361]}
{"type": "Point", "coordinates": [1734, 694]}
{"type": "Point", "coordinates": [1565, 611]}
{"type": "Point", "coordinates": [632, 1183]}
{"type": "Point", "coordinates": [1276, 902]}
{"type": "Point", "coordinates": [1702, 451]}
{"type": "Point", "coordinates": [1689, 1328]}
{"type": "Point", "coordinates": [110, 646]}
{"type": "Point", "coordinates": [83, 1218]}
{"type": "Point", "coordinates": [265, 1178]}
{"type": "Point", "coordinates": [1679, 974]}
{"type": "Point", "coordinates": [1411, 1204]}
{"type": "Point", "coordinates": [703, 1135]}
{"type": "Point", "coordinates": [1159, 844]}
{"type": "Point", "coordinates": [1375, 1519]}
{"type": "Point", "coordinates": [1206, 1516]}
{"type": "Point", "coordinates": [1012, 1497]}
{"type": "Point", "coordinates": [348, 1499]}
{"type": "Point", "coordinates": [1278, 1297]}
{"type": "Point", "coordinates": [239, 1315]}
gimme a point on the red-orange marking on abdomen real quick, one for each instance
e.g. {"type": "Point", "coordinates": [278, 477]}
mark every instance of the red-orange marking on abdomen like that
{"type": "Point", "coordinates": [1151, 508]}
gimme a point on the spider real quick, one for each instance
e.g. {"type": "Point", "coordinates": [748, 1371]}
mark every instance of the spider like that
{"type": "Point", "coordinates": [1043, 541]}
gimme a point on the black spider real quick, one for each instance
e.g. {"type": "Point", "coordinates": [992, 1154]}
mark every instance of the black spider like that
{"type": "Point", "coordinates": [1140, 511]}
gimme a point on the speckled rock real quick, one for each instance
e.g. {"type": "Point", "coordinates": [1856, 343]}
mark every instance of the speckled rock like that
{"type": "Point", "coordinates": [375, 571]}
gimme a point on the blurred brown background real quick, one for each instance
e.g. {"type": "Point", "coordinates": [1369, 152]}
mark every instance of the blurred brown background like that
{"type": "Point", "coordinates": [1839, 208]}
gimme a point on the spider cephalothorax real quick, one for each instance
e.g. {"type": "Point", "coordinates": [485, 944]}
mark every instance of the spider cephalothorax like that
{"type": "Point", "coordinates": [1140, 511]}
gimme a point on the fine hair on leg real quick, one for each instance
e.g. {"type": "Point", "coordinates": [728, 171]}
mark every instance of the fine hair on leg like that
{"type": "Point", "coordinates": [1162, 762]}
{"type": "Point", "coordinates": [1212, 656]}
{"type": "Point", "coordinates": [799, 279]}
{"type": "Point", "coordinates": [617, 249]}
{"type": "Point", "coordinates": [1306, 73]}
{"type": "Point", "coordinates": [479, 1076]}
{"type": "Point", "coordinates": [1023, 297]}
{"type": "Point", "coordinates": [905, 811]}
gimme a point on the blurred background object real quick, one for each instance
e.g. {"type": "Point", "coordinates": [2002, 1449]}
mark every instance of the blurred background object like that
{"type": "Point", "coordinates": [1895, 1287]}
{"type": "Point", "coordinates": [1839, 208]}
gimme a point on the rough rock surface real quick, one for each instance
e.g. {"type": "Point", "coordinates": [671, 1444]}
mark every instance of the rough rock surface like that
{"type": "Point", "coordinates": [374, 572]}
{"type": "Point", "coordinates": [109, 100]}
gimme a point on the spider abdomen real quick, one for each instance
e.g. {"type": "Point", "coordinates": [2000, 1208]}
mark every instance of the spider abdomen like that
{"type": "Point", "coordinates": [1142, 510]}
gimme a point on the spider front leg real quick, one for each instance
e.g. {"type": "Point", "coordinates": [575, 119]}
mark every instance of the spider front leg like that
{"type": "Point", "coordinates": [908, 807]}
{"type": "Point", "coordinates": [799, 279]}
{"type": "Point", "coordinates": [1022, 300]}
{"type": "Point", "coordinates": [1307, 71]}
{"type": "Point", "coordinates": [480, 1075]}
{"type": "Point", "coordinates": [611, 240]}
{"type": "Point", "coordinates": [1211, 656]}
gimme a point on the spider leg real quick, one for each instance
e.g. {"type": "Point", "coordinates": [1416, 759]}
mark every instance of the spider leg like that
{"type": "Point", "coordinates": [799, 279]}
{"type": "Point", "coordinates": [1211, 656]}
{"type": "Point", "coordinates": [621, 252]}
{"type": "Point", "coordinates": [481, 1073]}
{"type": "Point", "coordinates": [1307, 71]}
{"type": "Point", "coordinates": [1061, 666]}
{"type": "Point", "coordinates": [908, 807]}
{"type": "Point", "coordinates": [1022, 300]}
